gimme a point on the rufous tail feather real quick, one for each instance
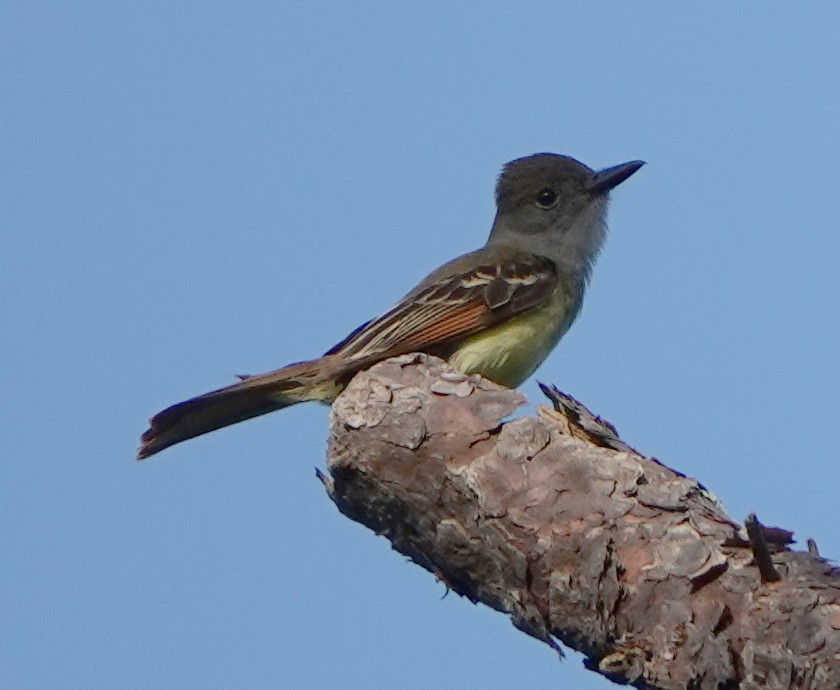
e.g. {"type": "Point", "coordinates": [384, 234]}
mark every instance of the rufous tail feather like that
{"type": "Point", "coordinates": [251, 397]}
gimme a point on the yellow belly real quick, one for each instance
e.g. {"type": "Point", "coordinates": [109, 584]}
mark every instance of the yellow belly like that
{"type": "Point", "coordinates": [509, 353]}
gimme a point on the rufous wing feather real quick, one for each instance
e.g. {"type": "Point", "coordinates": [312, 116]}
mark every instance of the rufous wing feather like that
{"type": "Point", "coordinates": [454, 306]}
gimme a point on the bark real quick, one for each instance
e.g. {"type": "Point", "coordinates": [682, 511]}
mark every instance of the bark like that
{"type": "Point", "coordinates": [579, 538]}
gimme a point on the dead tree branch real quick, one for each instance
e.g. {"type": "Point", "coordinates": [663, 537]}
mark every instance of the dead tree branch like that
{"type": "Point", "coordinates": [580, 539]}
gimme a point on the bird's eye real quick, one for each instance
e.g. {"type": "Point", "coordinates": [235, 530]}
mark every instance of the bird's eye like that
{"type": "Point", "coordinates": [546, 198]}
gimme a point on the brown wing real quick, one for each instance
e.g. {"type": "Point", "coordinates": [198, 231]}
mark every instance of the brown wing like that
{"type": "Point", "coordinates": [476, 297]}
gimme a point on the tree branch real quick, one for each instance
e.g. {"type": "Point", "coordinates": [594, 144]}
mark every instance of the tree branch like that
{"type": "Point", "coordinates": [557, 522]}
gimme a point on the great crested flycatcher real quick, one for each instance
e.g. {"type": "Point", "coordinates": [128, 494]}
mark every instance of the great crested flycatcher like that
{"type": "Point", "coordinates": [497, 311]}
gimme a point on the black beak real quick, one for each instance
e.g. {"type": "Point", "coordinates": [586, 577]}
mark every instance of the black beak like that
{"type": "Point", "coordinates": [607, 179]}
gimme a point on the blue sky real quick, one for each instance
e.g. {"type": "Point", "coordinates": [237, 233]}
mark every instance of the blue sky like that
{"type": "Point", "coordinates": [196, 190]}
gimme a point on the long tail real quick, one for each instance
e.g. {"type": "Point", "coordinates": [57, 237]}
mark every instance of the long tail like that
{"type": "Point", "coordinates": [252, 397]}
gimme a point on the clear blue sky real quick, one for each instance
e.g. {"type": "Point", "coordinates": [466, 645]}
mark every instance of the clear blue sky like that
{"type": "Point", "coordinates": [196, 190]}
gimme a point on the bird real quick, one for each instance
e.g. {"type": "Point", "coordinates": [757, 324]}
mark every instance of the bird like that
{"type": "Point", "coordinates": [497, 311]}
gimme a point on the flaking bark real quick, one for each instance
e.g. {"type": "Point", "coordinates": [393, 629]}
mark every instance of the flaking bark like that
{"type": "Point", "coordinates": [579, 538]}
